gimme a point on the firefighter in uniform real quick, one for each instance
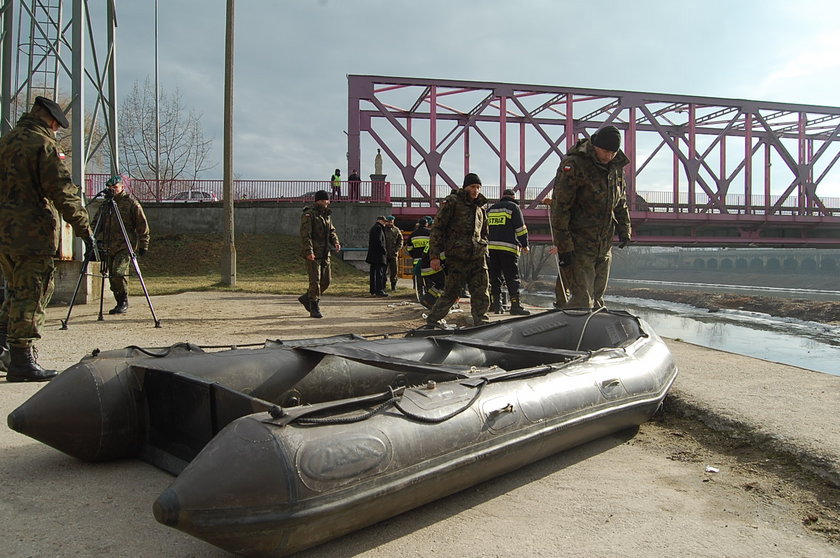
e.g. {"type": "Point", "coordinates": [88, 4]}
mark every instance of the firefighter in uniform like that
{"type": "Point", "coordinates": [415, 246]}
{"type": "Point", "coordinates": [507, 236]}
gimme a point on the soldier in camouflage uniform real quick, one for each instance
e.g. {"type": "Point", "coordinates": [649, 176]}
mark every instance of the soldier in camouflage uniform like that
{"type": "Point", "coordinates": [589, 206]}
{"type": "Point", "coordinates": [393, 244]}
{"type": "Point", "coordinates": [35, 188]}
{"type": "Point", "coordinates": [108, 230]}
{"type": "Point", "coordinates": [317, 237]}
{"type": "Point", "coordinates": [460, 230]}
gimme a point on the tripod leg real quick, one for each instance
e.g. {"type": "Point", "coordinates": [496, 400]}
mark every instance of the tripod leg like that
{"type": "Point", "coordinates": [143, 284]}
{"type": "Point", "coordinates": [133, 256]}
{"type": "Point", "coordinates": [82, 273]}
{"type": "Point", "coordinates": [103, 274]}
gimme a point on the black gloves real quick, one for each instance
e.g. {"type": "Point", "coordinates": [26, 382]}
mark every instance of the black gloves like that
{"type": "Point", "coordinates": [90, 255]}
{"type": "Point", "coordinates": [141, 251]}
{"type": "Point", "coordinates": [565, 259]}
{"type": "Point", "coordinates": [623, 241]}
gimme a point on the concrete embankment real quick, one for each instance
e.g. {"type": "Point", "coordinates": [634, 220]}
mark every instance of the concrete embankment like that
{"type": "Point", "coordinates": [782, 408]}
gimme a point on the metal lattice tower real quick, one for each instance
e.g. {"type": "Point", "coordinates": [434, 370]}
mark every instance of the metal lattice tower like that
{"type": "Point", "coordinates": [38, 58]}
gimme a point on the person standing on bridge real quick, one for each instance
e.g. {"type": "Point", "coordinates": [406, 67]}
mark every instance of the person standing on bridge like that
{"type": "Point", "coordinates": [589, 206]}
{"type": "Point", "coordinates": [335, 184]}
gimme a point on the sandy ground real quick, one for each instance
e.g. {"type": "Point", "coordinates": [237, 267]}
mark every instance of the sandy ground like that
{"type": "Point", "coordinates": [645, 493]}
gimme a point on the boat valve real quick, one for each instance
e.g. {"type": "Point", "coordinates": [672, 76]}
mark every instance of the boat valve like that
{"type": "Point", "coordinates": [506, 409]}
{"type": "Point", "coordinates": [431, 384]}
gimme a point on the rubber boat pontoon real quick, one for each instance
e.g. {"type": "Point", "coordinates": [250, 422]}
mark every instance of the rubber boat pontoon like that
{"type": "Point", "coordinates": [289, 445]}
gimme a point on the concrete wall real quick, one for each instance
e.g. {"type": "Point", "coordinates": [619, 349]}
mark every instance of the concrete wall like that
{"type": "Point", "coordinates": [352, 221]}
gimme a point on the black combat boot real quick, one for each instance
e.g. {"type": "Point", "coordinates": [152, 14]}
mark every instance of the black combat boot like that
{"type": "Point", "coordinates": [121, 307]}
{"type": "Point", "coordinates": [393, 285]}
{"type": "Point", "coordinates": [306, 301]}
{"type": "Point", "coordinates": [516, 308]}
{"type": "Point", "coordinates": [314, 309]}
{"type": "Point", "coordinates": [4, 347]}
{"type": "Point", "coordinates": [496, 305]}
{"type": "Point", "coordinates": [24, 368]}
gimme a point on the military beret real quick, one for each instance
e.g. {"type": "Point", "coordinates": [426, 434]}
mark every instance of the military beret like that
{"type": "Point", "coordinates": [321, 195]}
{"type": "Point", "coordinates": [54, 110]}
{"type": "Point", "coordinates": [508, 193]}
{"type": "Point", "coordinates": [390, 218]}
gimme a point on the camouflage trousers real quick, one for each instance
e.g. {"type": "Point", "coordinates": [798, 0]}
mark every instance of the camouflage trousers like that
{"type": "Point", "coordinates": [393, 268]}
{"type": "Point", "coordinates": [319, 277]}
{"type": "Point", "coordinates": [117, 266]}
{"type": "Point", "coordinates": [29, 288]}
{"type": "Point", "coordinates": [587, 280]}
{"type": "Point", "coordinates": [473, 274]}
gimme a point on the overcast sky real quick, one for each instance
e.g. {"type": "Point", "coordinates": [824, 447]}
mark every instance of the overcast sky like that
{"type": "Point", "coordinates": [292, 58]}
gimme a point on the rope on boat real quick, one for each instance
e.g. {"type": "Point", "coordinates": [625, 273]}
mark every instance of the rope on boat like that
{"type": "Point", "coordinates": [479, 387]}
{"type": "Point", "coordinates": [356, 418]}
{"type": "Point", "coordinates": [586, 324]}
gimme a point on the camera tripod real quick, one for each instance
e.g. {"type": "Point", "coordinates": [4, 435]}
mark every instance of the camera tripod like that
{"type": "Point", "coordinates": [100, 254]}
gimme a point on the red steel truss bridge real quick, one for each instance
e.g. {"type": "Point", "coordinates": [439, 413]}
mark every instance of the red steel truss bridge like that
{"type": "Point", "coordinates": [703, 171]}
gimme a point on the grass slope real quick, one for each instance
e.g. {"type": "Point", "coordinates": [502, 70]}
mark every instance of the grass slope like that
{"type": "Point", "coordinates": [265, 264]}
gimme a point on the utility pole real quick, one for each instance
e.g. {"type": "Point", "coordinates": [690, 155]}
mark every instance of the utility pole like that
{"type": "Point", "coordinates": [229, 250]}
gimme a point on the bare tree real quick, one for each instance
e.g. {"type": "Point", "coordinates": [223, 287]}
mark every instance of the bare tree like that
{"type": "Point", "coordinates": [534, 264]}
{"type": "Point", "coordinates": [183, 146]}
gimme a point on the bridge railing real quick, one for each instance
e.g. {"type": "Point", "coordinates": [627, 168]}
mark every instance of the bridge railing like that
{"type": "Point", "coordinates": [401, 196]}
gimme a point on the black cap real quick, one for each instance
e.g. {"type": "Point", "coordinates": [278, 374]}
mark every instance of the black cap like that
{"type": "Point", "coordinates": [54, 110]}
{"type": "Point", "coordinates": [471, 179]}
{"type": "Point", "coordinates": [321, 195]}
{"type": "Point", "coordinates": [607, 138]}
{"type": "Point", "coordinates": [508, 193]}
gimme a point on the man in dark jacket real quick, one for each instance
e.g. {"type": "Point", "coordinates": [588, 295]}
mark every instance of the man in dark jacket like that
{"type": "Point", "coordinates": [460, 230]}
{"type": "Point", "coordinates": [108, 230]}
{"type": "Point", "coordinates": [589, 206]}
{"type": "Point", "coordinates": [35, 189]}
{"type": "Point", "coordinates": [317, 238]}
{"type": "Point", "coordinates": [507, 236]}
{"type": "Point", "coordinates": [377, 257]}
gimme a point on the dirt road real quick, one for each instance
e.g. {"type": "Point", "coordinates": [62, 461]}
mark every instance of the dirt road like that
{"type": "Point", "coordinates": [672, 488]}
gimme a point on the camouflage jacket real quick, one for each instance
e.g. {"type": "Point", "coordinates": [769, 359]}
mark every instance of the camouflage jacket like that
{"type": "Point", "coordinates": [393, 241]}
{"type": "Point", "coordinates": [35, 187]}
{"type": "Point", "coordinates": [460, 228]}
{"type": "Point", "coordinates": [589, 203]}
{"type": "Point", "coordinates": [317, 234]}
{"type": "Point", "coordinates": [133, 218]}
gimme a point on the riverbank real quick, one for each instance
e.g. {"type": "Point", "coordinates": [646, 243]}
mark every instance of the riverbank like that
{"type": "Point", "coordinates": [811, 310]}
{"type": "Point", "coordinates": [740, 463]}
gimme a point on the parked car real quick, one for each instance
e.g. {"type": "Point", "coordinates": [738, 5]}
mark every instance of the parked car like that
{"type": "Point", "coordinates": [194, 196]}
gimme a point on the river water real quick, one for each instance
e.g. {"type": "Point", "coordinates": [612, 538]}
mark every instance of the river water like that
{"type": "Point", "coordinates": [809, 345]}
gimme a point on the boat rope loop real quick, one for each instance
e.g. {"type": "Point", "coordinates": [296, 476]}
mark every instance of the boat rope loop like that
{"type": "Point", "coordinates": [478, 385]}
{"type": "Point", "coordinates": [351, 419]}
